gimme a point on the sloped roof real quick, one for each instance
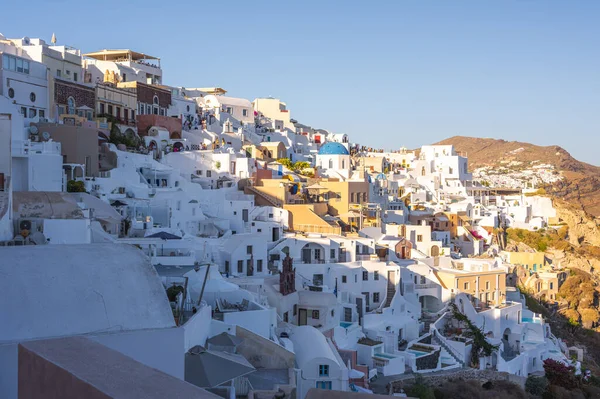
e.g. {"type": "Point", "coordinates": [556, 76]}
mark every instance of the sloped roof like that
{"type": "Point", "coordinates": [63, 290]}
{"type": "Point", "coordinates": [208, 369]}
{"type": "Point", "coordinates": [225, 339]}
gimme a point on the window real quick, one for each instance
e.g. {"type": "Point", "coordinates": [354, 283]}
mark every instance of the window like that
{"type": "Point", "coordinates": [323, 370]}
{"type": "Point", "coordinates": [375, 275]}
{"type": "Point", "coordinates": [352, 197]}
{"type": "Point", "coordinates": [124, 77]}
{"type": "Point", "coordinates": [551, 286]}
{"type": "Point", "coordinates": [315, 314]}
{"type": "Point", "coordinates": [32, 113]}
{"type": "Point", "coordinates": [240, 266]}
{"type": "Point", "coordinates": [208, 173]}
{"type": "Point", "coordinates": [11, 93]}
{"type": "Point", "coordinates": [244, 112]}
{"type": "Point", "coordinates": [19, 65]}
{"type": "Point", "coordinates": [365, 276]}
{"type": "Point", "coordinates": [42, 113]}
{"type": "Point", "coordinates": [24, 111]}
{"type": "Point", "coordinates": [32, 97]}
{"type": "Point", "coordinates": [324, 385]}
{"type": "Point", "coordinates": [419, 238]}
{"type": "Point", "coordinates": [101, 108]}
{"type": "Point", "coordinates": [71, 106]}
{"type": "Point", "coordinates": [332, 253]}
{"type": "Point", "coordinates": [318, 280]}
{"type": "Point", "coordinates": [118, 112]}
{"type": "Point", "coordinates": [259, 264]}
{"type": "Point", "coordinates": [155, 100]}
{"type": "Point", "coordinates": [295, 310]}
{"type": "Point", "coordinates": [466, 285]}
{"type": "Point", "coordinates": [376, 297]}
{"type": "Point", "coordinates": [229, 110]}
{"type": "Point", "coordinates": [149, 110]}
{"type": "Point", "coordinates": [344, 279]}
{"type": "Point", "coordinates": [68, 72]}
{"type": "Point", "coordinates": [487, 285]}
{"type": "Point", "coordinates": [126, 114]}
{"type": "Point", "coordinates": [110, 109]}
{"type": "Point", "coordinates": [356, 278]}
{"type": "Point", "coordinates": [249, 249]}
{"type": "Point", "coordinates": [58, 73]}
{"type": "Point", "coordinates": [75, 76]}
{"type": "Point", "coordinates": [317, 253]}
{"type": "Point", "coordinates": [285, 317]}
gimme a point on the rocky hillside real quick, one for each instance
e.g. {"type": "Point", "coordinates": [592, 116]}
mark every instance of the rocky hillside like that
{"type": "Point", "coordinates": [578, 182]}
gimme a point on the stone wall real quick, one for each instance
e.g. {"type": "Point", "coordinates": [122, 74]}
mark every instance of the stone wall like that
{"type": "Point", "coordinates": [428, 362]}
{"type": "Point", "coordinates": [436, 380]}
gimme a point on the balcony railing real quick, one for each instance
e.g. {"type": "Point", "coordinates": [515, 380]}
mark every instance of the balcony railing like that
{"type": "Point", "coordinates": [425, 286]}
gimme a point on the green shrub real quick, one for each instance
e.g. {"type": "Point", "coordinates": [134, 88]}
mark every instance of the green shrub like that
{"type": "Point", "coordinates": [74, 186]}
{"type": "Point", "coordinates": [536, 385]}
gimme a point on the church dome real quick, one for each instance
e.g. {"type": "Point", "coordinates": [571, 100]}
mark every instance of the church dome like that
{"type": "Point", "coordinates": [331, 148]}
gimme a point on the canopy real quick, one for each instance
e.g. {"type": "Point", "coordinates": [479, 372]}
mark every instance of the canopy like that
{"type": "Point", "coordinates": [164, 235]}
{"type": "Point", "coordinates": [316, 186]}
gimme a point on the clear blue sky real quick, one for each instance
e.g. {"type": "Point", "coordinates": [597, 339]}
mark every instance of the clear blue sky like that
{"type": "Point", "coordinates": [388, 73]}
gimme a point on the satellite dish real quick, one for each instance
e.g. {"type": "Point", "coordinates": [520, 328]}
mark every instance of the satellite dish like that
{"type": "Point", "coordinates": [46, 136]}
{"type": "Point", "coordinates": [33, 129]}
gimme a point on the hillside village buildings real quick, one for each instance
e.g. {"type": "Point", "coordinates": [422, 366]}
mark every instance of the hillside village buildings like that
{"type": "Point", "coordinates": [288, 276]}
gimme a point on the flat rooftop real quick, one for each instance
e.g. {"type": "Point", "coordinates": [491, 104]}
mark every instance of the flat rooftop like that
{"type": "Point", "coordinates": [119, 55]}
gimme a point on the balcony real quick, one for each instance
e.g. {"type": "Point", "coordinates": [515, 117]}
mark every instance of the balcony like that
{"type": "Point", "coordinates": [425, 286]}
{"type": "Point", "coordinates": [28, 147]}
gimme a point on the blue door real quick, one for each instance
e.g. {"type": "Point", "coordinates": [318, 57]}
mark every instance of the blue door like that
{"type": "Point", "coordinates": [324, 385]}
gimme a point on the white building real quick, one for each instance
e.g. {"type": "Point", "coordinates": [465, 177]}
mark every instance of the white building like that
{"type": "Point", "coordinates": [319, 364]}
{"type": "Point", "coordinates": [24, 82]}
{"type": "Point", "coordinates": [333, 160]}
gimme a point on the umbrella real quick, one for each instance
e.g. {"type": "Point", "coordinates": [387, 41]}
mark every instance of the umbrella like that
{"type": "Point", "coordinates": [350, 214]}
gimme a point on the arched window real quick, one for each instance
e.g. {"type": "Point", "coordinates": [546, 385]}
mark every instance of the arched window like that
{"type": "Point", "coordinates": [343, 164]}
{"type": "Point", "coordinates": [71, 106]}
{"type": "Point", "coordinates": [331, 164]}
{"type": "Point", "coordinates": [156, 105]}
{"type": "Point", "coordinates": [423, 171]}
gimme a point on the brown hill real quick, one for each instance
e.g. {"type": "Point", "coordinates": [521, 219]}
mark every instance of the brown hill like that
{"type": "Point", "coordinates": [580, 186]}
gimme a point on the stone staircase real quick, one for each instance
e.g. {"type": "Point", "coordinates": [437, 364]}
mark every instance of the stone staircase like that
{"type": "Point", "coordinates": [391, 291]}
{"type": "Point", "coordinates": [268, 198]}
{"type": "Point", "coordinates": [446, 352]}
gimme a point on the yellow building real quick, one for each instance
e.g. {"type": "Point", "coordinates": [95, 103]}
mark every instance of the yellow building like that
{"type": "Point", "coordinates": [483, 279]}
{"type": "Point", "coordinates": [533, 261]}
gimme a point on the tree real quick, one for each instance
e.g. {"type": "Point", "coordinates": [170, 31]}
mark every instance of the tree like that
{"type": "Point", "coordinates": [560, 374]}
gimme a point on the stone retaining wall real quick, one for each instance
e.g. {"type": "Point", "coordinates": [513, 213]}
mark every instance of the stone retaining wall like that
{"type": "Point", "coordinates": [436, 380]}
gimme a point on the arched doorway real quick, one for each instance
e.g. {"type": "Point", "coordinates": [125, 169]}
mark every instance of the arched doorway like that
{"type": "Point", "coordinates": [435, 251]}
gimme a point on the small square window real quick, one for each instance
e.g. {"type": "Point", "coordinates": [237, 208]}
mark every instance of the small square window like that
{"type": "Point", "coordinates": [344, 279]}
{"type": "Point", "coordinates": [365, 276]}
{"type": "Point", "coordinates": [376, 297]}
{"type": "Point", "coordinates": [419, 238]}
{"type": "Point", "coordinates": [249, 249]}
{"type": "Point", "coordinates": [375, 275]}
{"type": "Point", "coordinates": [315, 314]}
{"type": "Point", "coordinates": [323, 370]}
